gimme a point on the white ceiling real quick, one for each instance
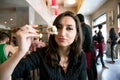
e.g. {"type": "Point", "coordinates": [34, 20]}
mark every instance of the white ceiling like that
{"type": "Point", "coordinates": [13, 3]}
{"type": "Point", "coordinates": [89, 6]}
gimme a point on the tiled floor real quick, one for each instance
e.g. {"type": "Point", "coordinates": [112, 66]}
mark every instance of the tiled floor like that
{"type": "Point", "coordinates": [113, 73]}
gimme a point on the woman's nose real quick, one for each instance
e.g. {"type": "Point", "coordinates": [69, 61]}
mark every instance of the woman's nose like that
{"type": "Point", "coordinates": [62, 31]}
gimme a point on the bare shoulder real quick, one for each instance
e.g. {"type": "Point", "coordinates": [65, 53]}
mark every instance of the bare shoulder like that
{"type": "Point", "coordinates": [9, 48]}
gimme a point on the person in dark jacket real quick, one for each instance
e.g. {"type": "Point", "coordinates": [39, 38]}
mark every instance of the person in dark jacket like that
{"type": "Point", "coordinates": [100, 40]}
{"type": "Point", "coordinates": [87, 45]}
{"type": "Point", "coordinates": [95, 40]}
{"type": "Point", "coordinates": [113, 38]}
{"type": "Point", "coordinates": [61, 59]}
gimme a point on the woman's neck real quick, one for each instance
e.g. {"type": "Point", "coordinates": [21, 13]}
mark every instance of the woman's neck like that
{"type": "Point", "coordinates": [64, 51]}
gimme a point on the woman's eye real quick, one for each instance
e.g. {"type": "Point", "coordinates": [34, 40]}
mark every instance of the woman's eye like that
{"type": "Point", "coordinates": [69, 28]}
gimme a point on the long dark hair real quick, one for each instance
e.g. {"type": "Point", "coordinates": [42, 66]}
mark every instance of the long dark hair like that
{"type": "Point", "coordinates": [52, 55]}
{"type": "Point", "coordinates": [112, 31]}
{"type": "Point", "coordinates": [112, 34]}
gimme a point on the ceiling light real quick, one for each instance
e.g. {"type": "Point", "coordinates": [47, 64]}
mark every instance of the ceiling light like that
{"type": "Point", "coordinates": [5, 22]}
{"type": "Point", "coordinates": [70, 1]}
{"type": "Point", "coordinates": [11, 19]}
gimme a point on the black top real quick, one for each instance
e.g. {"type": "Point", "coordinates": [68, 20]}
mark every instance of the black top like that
{"type": "Point", "coordinates": [100, 37]}
{"type": "Point", "coordinates": [76, 68]}
{"type": "Point", "coordinates": [95, 38]}
{"type": "Point", "coordinates": [113, 38]}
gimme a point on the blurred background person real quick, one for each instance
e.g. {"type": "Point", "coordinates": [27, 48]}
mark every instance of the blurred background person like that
{"type": "Point", "coordinates": [87, 45]}
{"type": "Point", "coordinates": [14, 41]}
{"type": "Point", "coordinates": [100, 40]}
{"type": "Point", "coordinates": [113, 38]}
{"type": "Point", "coordinates": [95, 40]}
{"type": "Point", "coordinates": [117, 49]}
{"type": "Point", "coordinates": [6, 50]}
{"type": "Point", "coordinates": [36, 43]}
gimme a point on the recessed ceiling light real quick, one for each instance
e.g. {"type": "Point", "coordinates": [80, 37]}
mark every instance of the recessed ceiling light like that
{"type": "Point", "coordinates": [70, 1]}
{"type": "Point", "coordinates": [11, 19]}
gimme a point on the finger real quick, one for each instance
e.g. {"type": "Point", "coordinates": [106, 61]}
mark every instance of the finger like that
{"type": "Point", "coordinates": [26, 27]}
{"type": "Point", "coordinates": [34, 26]}
{"type": "Point", "coordinates": [32, 35]}
{"type": "Point", "coordinates": [29, 29]}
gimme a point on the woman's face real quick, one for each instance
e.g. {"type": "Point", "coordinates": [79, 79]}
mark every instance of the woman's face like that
{"type": "Point", "coordinates": [66, 32]}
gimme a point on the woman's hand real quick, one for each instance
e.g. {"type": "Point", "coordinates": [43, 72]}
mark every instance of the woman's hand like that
{"type": "Point", "coordinates": [25, 35]}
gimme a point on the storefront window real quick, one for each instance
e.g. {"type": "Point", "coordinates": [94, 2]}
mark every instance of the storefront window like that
{"type": "Point", "coordinates": [101, 20]}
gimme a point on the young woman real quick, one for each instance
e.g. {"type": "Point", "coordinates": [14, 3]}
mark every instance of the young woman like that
{"type": "Point", "coordinates": [61, 59]}
{"type": "Point", "coordinates": [113, 38]}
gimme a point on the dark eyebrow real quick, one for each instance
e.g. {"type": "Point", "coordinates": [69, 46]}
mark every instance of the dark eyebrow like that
{"type": "Point", "coordinates": [66, 24]}
{"type": "Point", "coordinates": [69, 25]}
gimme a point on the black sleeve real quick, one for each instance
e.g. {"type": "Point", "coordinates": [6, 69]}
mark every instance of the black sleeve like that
{"type": "Point", "coordinates": [88, 38]}
{"type": "Point", "coordinates": [83, 74]}
{"type": "Point", "coordinates": [26, 64]}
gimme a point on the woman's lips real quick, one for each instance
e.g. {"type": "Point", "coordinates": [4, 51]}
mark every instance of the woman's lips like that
{"type": "Point", "coordinates": [61, 39]}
